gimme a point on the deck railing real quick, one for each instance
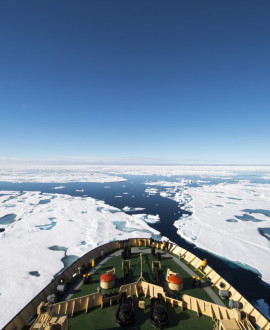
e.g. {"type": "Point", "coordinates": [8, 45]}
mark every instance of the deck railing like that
{"type": "Point", "coordinates": [83, 304]}
{"type": "Point", "coordinates": [29, 311]}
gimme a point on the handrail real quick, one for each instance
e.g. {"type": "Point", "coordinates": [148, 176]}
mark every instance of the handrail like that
{"type": "Point", "coordinates": [29, 311]}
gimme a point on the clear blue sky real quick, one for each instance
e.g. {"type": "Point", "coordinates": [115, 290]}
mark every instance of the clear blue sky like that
{"type": "Point", "coordinates": [173, 79]}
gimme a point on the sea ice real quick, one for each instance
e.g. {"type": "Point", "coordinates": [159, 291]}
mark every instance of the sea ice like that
{"type": "Point", "coordinates": [132, 209]}
{"type": "Point", "coordinates": [164, 183]}
{"type": "Point", "coordinates": [61, 174]}
{"type": "Point", "coordinates": [84, 173]}
{"type": "Point", "coordinates": [167, 171]}
{"type": "Point", "coordinates": [151, 191]}
{"type": "Point", "coordinates": [150, 218]}
{"type": "Point", "coordinates": [229, 231]}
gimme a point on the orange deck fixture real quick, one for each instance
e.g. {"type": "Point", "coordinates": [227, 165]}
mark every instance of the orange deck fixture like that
{"type": "Point", "coordinates": [175, 282]}
{"type": "Point", "coordinates": [107, 281]}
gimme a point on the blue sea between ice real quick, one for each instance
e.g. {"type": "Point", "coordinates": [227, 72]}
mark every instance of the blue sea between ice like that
{"type": "Point", "coordinates": [245, 279]}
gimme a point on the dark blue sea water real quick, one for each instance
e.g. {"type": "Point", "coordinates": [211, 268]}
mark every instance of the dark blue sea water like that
{"type": "Point", "coordinates": [133, 194]}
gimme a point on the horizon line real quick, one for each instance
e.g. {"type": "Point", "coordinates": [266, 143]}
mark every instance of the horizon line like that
{"type": "Point", "coordinates": [120, 161]}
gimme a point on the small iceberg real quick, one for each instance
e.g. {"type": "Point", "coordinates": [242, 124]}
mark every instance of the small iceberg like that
{"type": "Point", "coordinates": [149, 218]}
{"type": "Point", "coordinates": [151, 191]}
{"type": "Point", "coordinates": [132, 209]}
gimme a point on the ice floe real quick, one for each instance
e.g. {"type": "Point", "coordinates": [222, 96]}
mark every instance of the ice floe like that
{"type": "Point", "coordinates": [44, 238]}
{"type": "Point", "coordinates": [85, 173]}
{"type": "Point", "coordinates": [204, 171]}
{"type": "Point", "coordinates": [132, 209]}
{"type": "Point", "coordinates": [150, 218]}
{"type": "Point", "coordinates": [238, 231]}
{"type": "Point", "coordinates": [164, 183]}
{"type": "Point", "coordinates": [151, 191]}
{"type": "Point", "coordinates": [61, 174]}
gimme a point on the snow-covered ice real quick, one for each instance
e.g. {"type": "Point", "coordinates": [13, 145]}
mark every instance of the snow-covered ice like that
{"type": "Point", "coordinates": [86, 173]}
{"type": "Point", "coordinates": [31, 243]}
{"type": "Point", "coordinates": [151, 191]}
{"type": "Point", "coordinates": [225, 172]}
{"type": "Point", "coordinates": [150, 218]}
{"type": "Point", "coordinates": [61, 174]}
{"type": "Point", "coordinates": [226, 219]}
{"type": "Point", "coordinates": [132, 209]}
{"type": "Point", "coordinates": [164, 183]}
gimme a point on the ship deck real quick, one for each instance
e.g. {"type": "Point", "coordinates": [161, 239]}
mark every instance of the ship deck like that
{"type": "Point", "coordinates": [85, 307]}
{"type": "Point", "coordinates": [105, 318]}
{"type": "Point", "coordinates": [100, 319]}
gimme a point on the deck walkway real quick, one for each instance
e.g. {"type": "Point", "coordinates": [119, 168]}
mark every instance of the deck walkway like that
{"type": "Point", "coordinates": [208, 290]}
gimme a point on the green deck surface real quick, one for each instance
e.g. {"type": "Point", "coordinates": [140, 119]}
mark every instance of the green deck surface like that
{"type": "Point", "coordinates": [214, 288]}
{"type": "Point", "coordinates": [166, 262]}
{"type": "Point", "coordinates": [105, 318]}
